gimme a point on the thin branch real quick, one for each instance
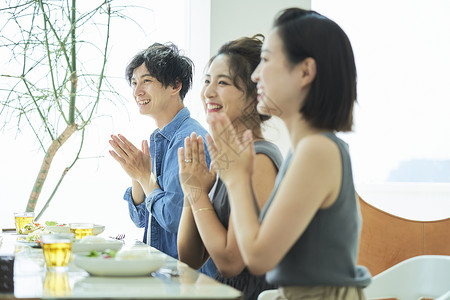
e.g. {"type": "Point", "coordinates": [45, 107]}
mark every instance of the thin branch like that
{"type": "Point", "coordinates": [44, 120]}
{"type": "Point", "coordinates": [34, 130]}
{"type": "Point", "coordinates": [15, 7]}
{"type": "Point", "coordinates": [73, 75]}
{"type": "Point", "coordinates": [48, 48]}
{"type": "Point", "coordinates": [27, 43]}
{"type": "Point", "coordinates": [99, 88]}
{"type": "Point", "coordinates": [62, 44]}
{"type": "Point", "coordinates": [63, 48]}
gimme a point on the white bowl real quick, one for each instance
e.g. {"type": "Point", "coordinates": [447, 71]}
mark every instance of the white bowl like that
{"type": "Point", "coordinates": [113, 267]}
{"type": "Point", "coordinates": [65, 228]}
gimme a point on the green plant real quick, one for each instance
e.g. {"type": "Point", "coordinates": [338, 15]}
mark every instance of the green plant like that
{"type": "Point", "coordinates": [54, 91]}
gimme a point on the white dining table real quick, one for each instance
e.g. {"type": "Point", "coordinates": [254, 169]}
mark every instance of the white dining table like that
{"type": "Point", "coordinates": [175, 280]}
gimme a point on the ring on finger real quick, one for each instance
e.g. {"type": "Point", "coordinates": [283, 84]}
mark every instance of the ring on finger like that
{"type": "Point", "coordinates": [188, 160]}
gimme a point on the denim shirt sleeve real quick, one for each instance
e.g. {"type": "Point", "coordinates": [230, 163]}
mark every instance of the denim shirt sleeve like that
{"type": "Point", "coordinates": [166, 203]}
{"type": "Point", "coordinates": [137, 213]}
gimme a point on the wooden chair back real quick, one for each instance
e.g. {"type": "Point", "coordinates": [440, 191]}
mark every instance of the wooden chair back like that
{"type": "Point", "coordinates": [387, 239]}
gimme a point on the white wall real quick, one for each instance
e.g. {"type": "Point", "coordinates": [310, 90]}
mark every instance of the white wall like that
{"type": "Point", "coordinates": [236, 18]}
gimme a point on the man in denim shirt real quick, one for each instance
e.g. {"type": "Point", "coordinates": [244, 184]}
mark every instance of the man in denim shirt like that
{"type": "Point", "coordinates": [160, 77]}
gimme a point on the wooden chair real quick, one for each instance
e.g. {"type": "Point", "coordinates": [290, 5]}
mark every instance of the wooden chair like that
{"type": "Point", "coordinates": [387, 240]}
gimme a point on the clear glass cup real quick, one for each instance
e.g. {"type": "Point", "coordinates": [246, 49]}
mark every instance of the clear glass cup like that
{"type": "Point", "coordinates": [57, 250]}
{"type": "Point", "coordinates": [81, 229]}
{"type": "Point", "coordinates": [22, 219]}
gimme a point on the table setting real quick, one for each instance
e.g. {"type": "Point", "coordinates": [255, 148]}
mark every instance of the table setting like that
{"type": "Point", "coordinates": [78, 261]}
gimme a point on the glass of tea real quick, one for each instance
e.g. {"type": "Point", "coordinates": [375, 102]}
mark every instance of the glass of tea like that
{"type": "Point", "coordinates": [57, 250]}
{"type": "Point", "coordinates": [22, 219]}
{"type": "Point", "coordinates": [81, 229]}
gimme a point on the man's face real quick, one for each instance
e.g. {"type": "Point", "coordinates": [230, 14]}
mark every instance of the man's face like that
{"type": "Point", "coordinates": [150, 94]}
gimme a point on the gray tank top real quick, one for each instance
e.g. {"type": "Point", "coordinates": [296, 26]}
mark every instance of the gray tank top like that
{"type": "Point", "coordinates": [250, 285]}
{"type": "Point", "coordinates": [326, 252]}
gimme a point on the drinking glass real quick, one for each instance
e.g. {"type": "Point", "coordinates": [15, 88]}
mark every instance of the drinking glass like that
{"type": "Point", "coordinates": [57, 250]}
{"type": "Point", "coordinates": [22, 219]}
{"type": "Point", "coordinates": [81, 229]}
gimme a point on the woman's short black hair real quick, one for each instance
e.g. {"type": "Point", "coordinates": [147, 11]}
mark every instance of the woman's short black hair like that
{"type": "Point", "coordinates": [165, 63]}
{"type": "Point", "coordinates": [304, 33]}
{"type": "Point", "coordinates": [244, 55]}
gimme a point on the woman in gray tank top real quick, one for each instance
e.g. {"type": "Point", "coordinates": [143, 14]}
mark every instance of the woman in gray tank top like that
{"type": "Point", "coordinates": [306, 237]}
{"type": "Point", "coordinates": [205, 230]}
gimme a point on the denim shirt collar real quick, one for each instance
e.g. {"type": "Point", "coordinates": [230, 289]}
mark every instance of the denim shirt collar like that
{"type": "Point", "coordinates": [169, 130]}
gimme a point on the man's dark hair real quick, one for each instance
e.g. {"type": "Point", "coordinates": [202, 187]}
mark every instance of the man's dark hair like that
{"type": "Point", "coordinates": [165, 63]}
{"type": "Point", "coordinates": [329, 103]}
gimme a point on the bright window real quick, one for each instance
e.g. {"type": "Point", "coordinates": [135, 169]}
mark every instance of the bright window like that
{"type": "Point", "coordinates": [92, 191]}
{"type": "Point", "coordinates": [400, 147]}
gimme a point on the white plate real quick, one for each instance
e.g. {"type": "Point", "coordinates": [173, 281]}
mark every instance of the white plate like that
{"type": "Point", "coordinates": [65, 228]}
{"type": "Point", "coordinates": [112, 267]}
{"type": "Point", "coordinates": [98, 246]}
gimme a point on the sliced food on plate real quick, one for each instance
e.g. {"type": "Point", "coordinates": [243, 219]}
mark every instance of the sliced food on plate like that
{"type": "Point", "coordinates": [35, 236]}
{"type": "Point", "coordinates": [34, 231]}
{"type": "Point", "coordinates": [31, 227]}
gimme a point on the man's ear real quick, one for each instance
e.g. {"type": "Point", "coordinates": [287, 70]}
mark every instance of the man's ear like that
{"type": "Point", "coordinates": [177, 87]}
{"type": "Point", "coordinates": [308, 70]}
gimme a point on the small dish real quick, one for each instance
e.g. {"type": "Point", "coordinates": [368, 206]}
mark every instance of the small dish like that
{"type": "Point", "coordinates": [99, 266]}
